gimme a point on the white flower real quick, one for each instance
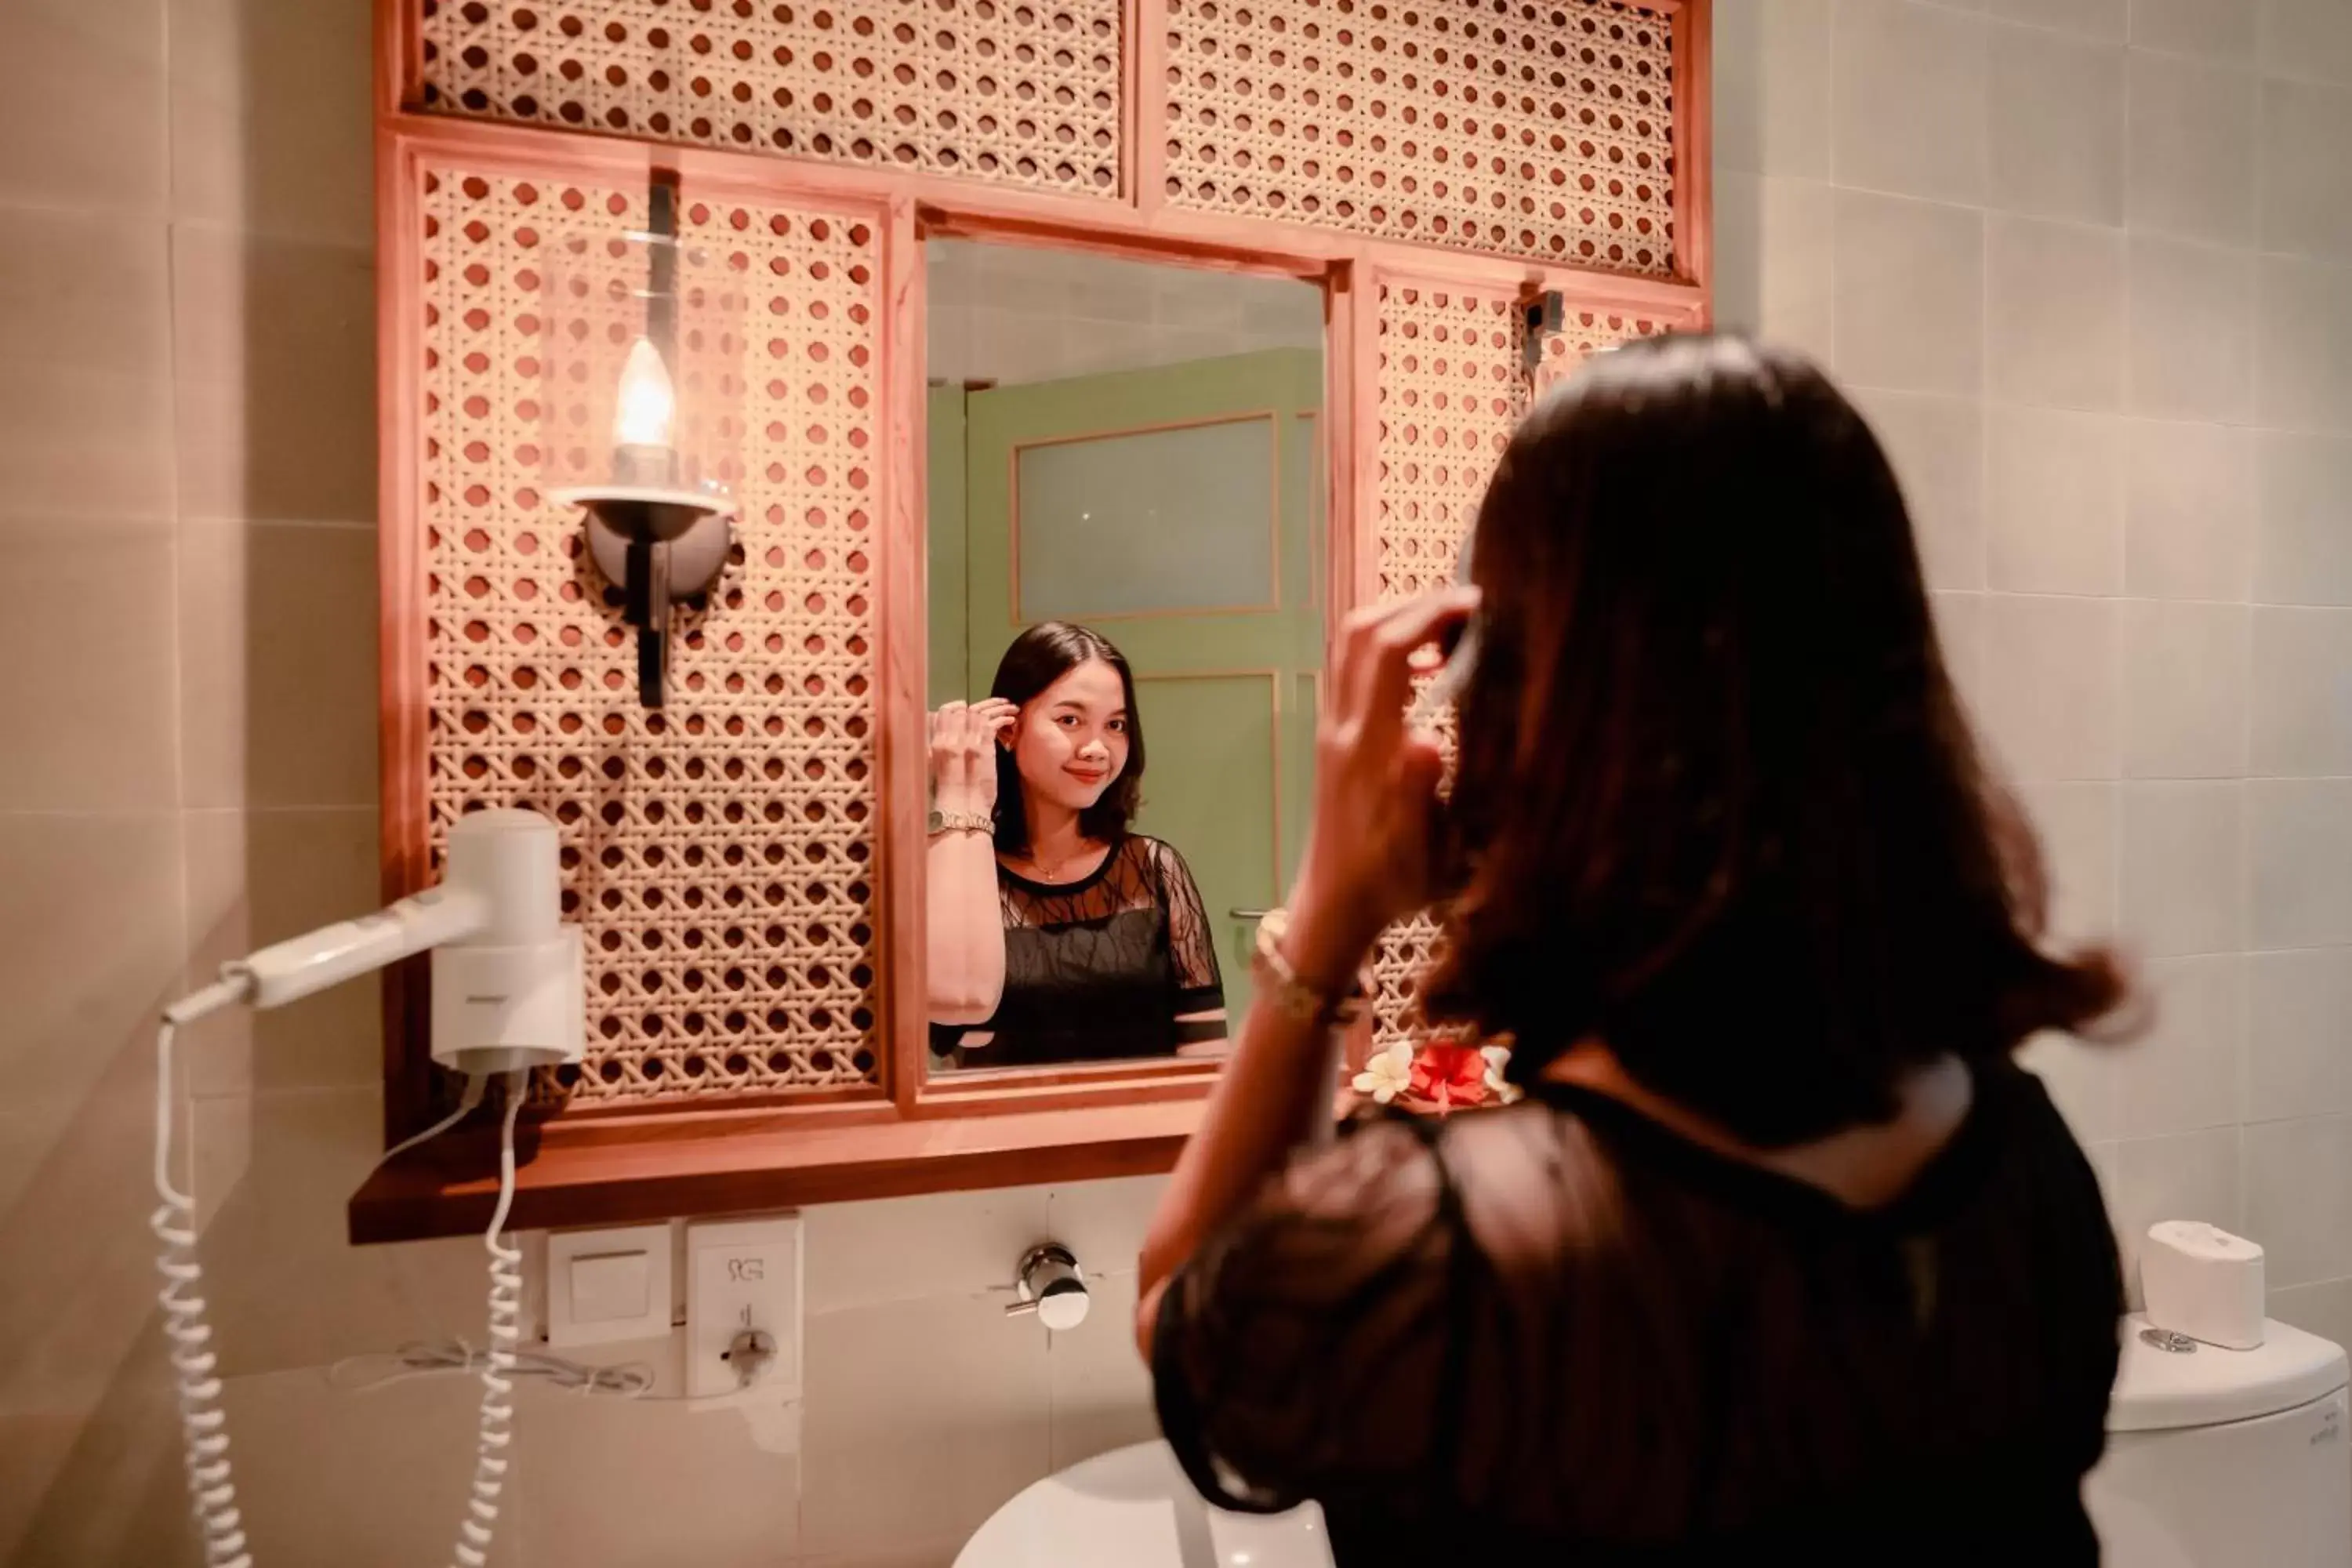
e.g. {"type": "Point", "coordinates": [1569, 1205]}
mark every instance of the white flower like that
{"type": "Point", "coordinates": [1387, 1075]}
{"type": "Point", "coordinates": [1497, 1058]}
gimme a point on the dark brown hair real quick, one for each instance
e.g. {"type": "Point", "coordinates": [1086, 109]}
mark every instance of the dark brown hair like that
{"type": "Point", "coordinates": [1038, 657]}
{"type": "Point", "coordinates": [1720, 804]}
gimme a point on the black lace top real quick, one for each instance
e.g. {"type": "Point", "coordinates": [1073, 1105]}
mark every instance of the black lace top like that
{"type": "Point", "coordinates": [1118, 964]}
{"type": "Point", "coordinates": [1559, 1334]}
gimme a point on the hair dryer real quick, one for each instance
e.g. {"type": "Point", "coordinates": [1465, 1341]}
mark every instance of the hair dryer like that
{"type": "Point", "coordinates": [510, 992]}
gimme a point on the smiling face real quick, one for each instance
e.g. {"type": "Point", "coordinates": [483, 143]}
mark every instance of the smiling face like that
{"type": "Point", "coordinates": [1071, 740]}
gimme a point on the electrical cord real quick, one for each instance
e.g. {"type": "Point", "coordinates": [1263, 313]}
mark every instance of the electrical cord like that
{"type": "Point", "coordinates": [498, 1366]}
{"type": "Point", "coordinates": [204, 1426]}
{"type": "Point", "coordinates": [631, 1379]}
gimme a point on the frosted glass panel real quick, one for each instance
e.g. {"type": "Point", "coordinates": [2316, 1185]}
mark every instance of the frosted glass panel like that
{"type": "Point", "coordinates": [1164, 520]}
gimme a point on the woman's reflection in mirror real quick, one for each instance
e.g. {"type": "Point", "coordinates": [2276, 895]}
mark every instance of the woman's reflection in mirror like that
{"type": "Point", "coordinates": [1057, 933]}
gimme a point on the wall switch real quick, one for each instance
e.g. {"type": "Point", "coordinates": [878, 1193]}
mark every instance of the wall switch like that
{"type": "Point", "coordinates": [742, 1279]}
{"type": "Point", "coordinates": [607, 1285]}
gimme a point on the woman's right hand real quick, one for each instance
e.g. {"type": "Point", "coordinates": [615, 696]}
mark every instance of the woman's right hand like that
{"type": "Point", "coordinates": [964, 752]}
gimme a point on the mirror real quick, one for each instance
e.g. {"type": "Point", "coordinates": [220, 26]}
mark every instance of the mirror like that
{"type": "Point", "coordinates": [1126, 475]}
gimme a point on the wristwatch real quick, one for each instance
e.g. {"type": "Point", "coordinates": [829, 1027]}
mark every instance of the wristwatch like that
{"type": "Point", "coordinates": [1279, 985]}
{"type": "Point", "coordinates": [960, 822]}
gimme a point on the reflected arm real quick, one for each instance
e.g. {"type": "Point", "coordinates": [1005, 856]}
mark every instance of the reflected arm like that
{"type": "Point", "coordinates": [965, 929]}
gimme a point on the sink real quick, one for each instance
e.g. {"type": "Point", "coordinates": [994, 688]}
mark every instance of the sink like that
{"type": "Point", "coordinates": [1132, 1507]}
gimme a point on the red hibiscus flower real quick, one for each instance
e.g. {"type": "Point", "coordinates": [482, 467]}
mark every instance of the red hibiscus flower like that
{"type": "Point", "coordinates": [1450, 1075]}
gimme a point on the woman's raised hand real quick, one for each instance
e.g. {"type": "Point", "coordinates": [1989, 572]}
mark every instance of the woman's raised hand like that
{"type": "Point", "coordinates": [1368, 850]}
{"type": "Point", "coordinates": [964, 752]}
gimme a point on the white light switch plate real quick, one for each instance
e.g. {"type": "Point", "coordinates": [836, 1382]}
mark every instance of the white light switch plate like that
{"type": "Point", "coordinates": [742, 1274]}
{"type": "Point", "coordinates": [595, 1279]}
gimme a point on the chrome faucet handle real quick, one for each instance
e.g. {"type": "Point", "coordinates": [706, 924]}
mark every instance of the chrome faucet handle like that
{"type": "Point", "coordinates": [1050, 1284]}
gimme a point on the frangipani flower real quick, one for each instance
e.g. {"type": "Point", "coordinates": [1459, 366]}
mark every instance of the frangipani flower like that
{"type": "Point", "coordinates": [1497, 1058]}
{"type": "Point", "coordinates": [1387, 1075]}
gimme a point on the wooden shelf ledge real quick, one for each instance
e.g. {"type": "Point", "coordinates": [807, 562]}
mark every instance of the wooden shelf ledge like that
{"type": "Point", "coordinates": [626, 1171]}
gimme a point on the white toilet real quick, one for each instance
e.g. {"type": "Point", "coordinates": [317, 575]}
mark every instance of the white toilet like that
{"type": "Point", "coordinates": [2218, 1459]}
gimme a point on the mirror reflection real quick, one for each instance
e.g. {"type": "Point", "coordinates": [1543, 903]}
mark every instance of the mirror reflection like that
{"type": "Point", "coordinates": [1125, 477]}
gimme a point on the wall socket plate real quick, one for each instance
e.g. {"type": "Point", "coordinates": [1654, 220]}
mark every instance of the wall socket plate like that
{"type": "Point", "coordinates": [608, 1285]}
{"type": "Point", "coordinates": [742, 1274]}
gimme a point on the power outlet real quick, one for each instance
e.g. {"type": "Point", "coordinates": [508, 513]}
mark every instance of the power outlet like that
{"type": "Point", "coordinates": [743, 1276]}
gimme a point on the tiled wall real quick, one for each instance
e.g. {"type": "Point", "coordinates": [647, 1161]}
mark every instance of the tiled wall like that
{"type": "Point", "coordinates": [186, 436]}
{"type": "Point", "coordinates": [2087, 264]}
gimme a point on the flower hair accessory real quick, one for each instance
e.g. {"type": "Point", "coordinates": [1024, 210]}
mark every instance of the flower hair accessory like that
{"type": "Point", "coordinates": [1439, 1075]}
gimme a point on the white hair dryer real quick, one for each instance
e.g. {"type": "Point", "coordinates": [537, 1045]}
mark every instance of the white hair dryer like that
{"type": "Point", "coordinates": [510, 992]}
{"type": "Point", "coordinates": [509, 979]}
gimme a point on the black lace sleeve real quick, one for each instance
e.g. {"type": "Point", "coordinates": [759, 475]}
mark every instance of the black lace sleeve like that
{"type": "Point", "coordinates": [1302, 1351]}
{"type": "Point", "coordinates": [1192, 950]}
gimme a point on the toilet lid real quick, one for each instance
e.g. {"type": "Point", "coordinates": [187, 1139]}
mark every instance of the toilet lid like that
{"type": "Point", "coordinates": [2156, 1388]}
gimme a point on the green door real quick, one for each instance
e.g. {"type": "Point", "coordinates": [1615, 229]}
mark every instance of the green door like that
{"type": "Point", "coordinates": [1178, 510]}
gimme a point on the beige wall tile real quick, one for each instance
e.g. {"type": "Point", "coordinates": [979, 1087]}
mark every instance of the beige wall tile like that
{"type": "Point", "coordinates": [1909, 110]}
{"type": "Point", "coordinates": [82, 124]}
{"type": "Point", "coordinates": [90, 712]}
{"type": "Point", "coordinates": [2299, 1198]}
{"type": "Point", "coordinates": [256, 877]}
{"type": "Point", "coordinates": [2186, 687]}
{"type": "Point", "coordinates": [2190, 149]}
{"type": "Point", "coordinates": [2053, 313]}
{"type": "Point", "coordinates": [2182, 868]}
{"type": "Point", "coordinates": [860, 1255]}
{"type": "Point", "coordinates": [85, 444]}
{"type": "Point", "coordinates": [2056, 126]}
{"type": "Point", "coordinates": [923, 1417]}
{"type": "Point", "coordinates": [2192, 332]}
{"type": "Point", "coordinates": [270, 116]}
{"type": "Point", "coordinates": [1909, 299]}
{"type": "Point", "coordinates": [2076, 826]}
{"type": "Point", "coordinates": [273, 1172]}
{"type": "Point", "coordinates": [639, 1482]}
{"type": "Point", "coordinates": [2305, 555]}
{"type": "Point", "coordinates": [1103, 1222]}
{"type": "Point", "coordinates": [2299, 838]}
{"type": "Point", "coordinates": [2184, 1074]}
{"type": "Point", "coordinates": [2082, 1081]}
{"type": "Point", "coordinates": [2054, 501]}
{"type": "Point", "coordinates": [2306, 200]}
{"type": "Point", "coordinates": [2308, 38]}
{"type": "Point", "coordinates": [1772, 88]}
{"type": "Point", "coordinates": [85, 290]}
{"type": "Point", "coordinates": [2303, 693]}
{"type": "Point", "coordinates": [2219, 29]}
{"type": "Point", "coordinates": [2303, 354]}
{"type": "Point", "coordinates": [1773, 260]}
{"type": "Point", "coordinates": [2299, 1040]}
{"type": "Point", "coordinates": [2051, 687]}
{"type": "Point", "coordinates": [2189, 498]}
{"type": "Point", "coordinates": [2324, 1309]}
{"type": "Point", "coordinates": [275, 353]}
{"type": "Point", "coordinates": [2102, 20]}
{"type": "Point", "coordinates": [1937, 446]}
{"type": "Point", "coordinates": [278, 664]}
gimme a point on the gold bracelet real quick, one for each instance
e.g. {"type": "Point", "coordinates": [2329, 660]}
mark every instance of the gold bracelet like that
{"type": "Point", "coordinates": [1279, 985]}
{"type": "Point", "coordinates": [960, 822]}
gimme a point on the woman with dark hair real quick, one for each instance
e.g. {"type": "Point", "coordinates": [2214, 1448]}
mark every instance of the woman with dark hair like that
{"type": "Point", "coordinates": [1781, 1258]}
{"type": "Point", "coordinates": [1055, 933]}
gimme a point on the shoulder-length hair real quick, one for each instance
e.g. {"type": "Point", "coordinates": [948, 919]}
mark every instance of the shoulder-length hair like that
{"type": "Point", "coordinates": [1718, 801]}
{"type": "Point", "coordinates": [1038, 657]}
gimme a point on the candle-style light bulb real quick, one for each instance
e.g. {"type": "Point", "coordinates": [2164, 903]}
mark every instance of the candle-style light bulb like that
{"type": "Point", "coordinates": [644, 451]}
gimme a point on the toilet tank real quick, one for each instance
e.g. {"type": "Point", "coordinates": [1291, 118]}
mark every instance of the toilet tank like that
{"type": "Point", "coordinates": [2226, 1458]}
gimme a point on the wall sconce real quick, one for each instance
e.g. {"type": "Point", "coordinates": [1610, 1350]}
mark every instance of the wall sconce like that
{"type": "Point", "coordinates": [656, 489]}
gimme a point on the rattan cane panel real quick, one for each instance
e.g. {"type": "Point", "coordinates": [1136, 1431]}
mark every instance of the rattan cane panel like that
{"type": "Point", "coordinates": [1024, 91]}
{"type": "Point", "coordinates": [1452, 386]}
{"type": "Point", "coordinates": [719, 851]}
{"type": "Point", "coordinates": [1542, 131]}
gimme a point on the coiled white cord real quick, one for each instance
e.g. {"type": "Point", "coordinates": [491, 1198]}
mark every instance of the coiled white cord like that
{"type": "Point", "coordinates": [205, 1428]}
{"type": "Point", "coordinates": [473, 1546]}
{"type": "Point", "coordinates": [212, 1486]}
